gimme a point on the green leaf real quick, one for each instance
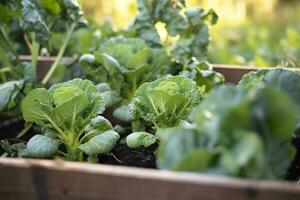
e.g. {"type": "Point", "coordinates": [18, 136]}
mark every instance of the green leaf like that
{"type": "Point", "coordinates": [8, 94]}
{"type": "Point", "coordinates": [100, 144]}
{"type": "Point", "coordinates": [97, 126]}
{"type": "Point", "coordinates": [96, 102]}
{"type": "Point", "coordinates": [40, 146]}
{"type": "Point", "coordinates": [139, 139]}
{"type": "Point", "coordinates": [8, 10]}
{"type": "Point", "coordinates": [73, 9]}
{"type": "Point", "coordinates": [103, 87]}
{"type": "Point", "coordinates": [187, 154]}
{"type": "Point", "coordinates": [271, 113]}
{"type": "Point", "coordinates": [110, 98]}
{"type": "Point", "coordinates": [70, 110]}
{"type": "Point", "coordinates": [251, 79]}
{"type": "Point", "coordinates": [37, 105]}
{"type": "Point", "coordinates": [51, 5]}
{"type": "Point", "coordinates": [139, 59]}
{"type": "Point", "coordinates": [33, 20]}
{"type": "Point", "coordinates": [166, 101]}
{"type": "Point", "coordinates": [247, 153]}
{"type": "Point", "coordinates": [122, 113]}
{"type": "Point", "coordinates": [266, 119]}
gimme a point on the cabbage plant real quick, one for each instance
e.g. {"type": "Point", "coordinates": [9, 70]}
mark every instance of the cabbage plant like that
{"type": "Point", "coordinates": [124, 64]}
{"type": "Point", "coordinates": [234, 132]}
{"type": "Point", "coordinates": [165, 103]}
{"type": "Point", "coordinates": [68, 114]}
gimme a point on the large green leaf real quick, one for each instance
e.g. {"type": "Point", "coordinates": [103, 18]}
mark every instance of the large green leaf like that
{"type": "Point", "coordinates": [166, 101]}
{"type": "Point", "coordinates": [100, 144]}
{"type": "Point", "coordinates": [8, 94]}
{"type": "Point", "coordinates": [40, 146]}
{"type": "Point", "coordinates": [123, 113]}
{"type": "Point", "coordinates": [266, 119]}
{"type": "Point", "coordinates": [37, 105]}
{"type": "Point", "coordinates": [33, 20]}
{"type": "Point", "coordinates": [247, 153]}
{"type": "Point", "coordinates": [96, 102]}
{"type": "Point", "coordinates": [139, 139]}
{"type": "Point", "coordinates": [70, 110]}
{"type": "Point", "coordinates": [110, 98]}
{"type": "Point", "coordinates": [187, 154]}
{"type": "Point", "coordinates": [97, 126]}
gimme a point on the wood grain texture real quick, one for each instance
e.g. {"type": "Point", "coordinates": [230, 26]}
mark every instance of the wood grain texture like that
{"type": "Point", "coordinates": [22, 179]}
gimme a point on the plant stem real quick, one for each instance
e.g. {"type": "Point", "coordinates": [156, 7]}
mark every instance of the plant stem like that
{"type": "Point", "coordinates": [35, 48]}
{"type": "Point", "coordinates": [8, 43]}
{"type": "Point", "coordinates": [5, 69]}
{"type": "Point", "coordinates": [72, 143]}
{"type": "Point", "coordinates": [25, 130]}
{"type": "Point", "coordinates": [59, 56]}
{"type": "Point", "coordinates": [136, 125]}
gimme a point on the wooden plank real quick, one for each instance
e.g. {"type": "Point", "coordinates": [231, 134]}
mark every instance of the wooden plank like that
{"type": "Point", "coordinates": [234, 73]}
{"type": "Point", "coordinates": [47, 180]}
{"type": "Point", "coordinates": [44, 64]}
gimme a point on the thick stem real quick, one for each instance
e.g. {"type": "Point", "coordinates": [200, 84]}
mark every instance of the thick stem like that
{"type": "Point", "coordinates": [72, 142]}
{"type": "Point", "coordinates": [59, 56]}
{"type": "Point", "coordinates": [35, 48]}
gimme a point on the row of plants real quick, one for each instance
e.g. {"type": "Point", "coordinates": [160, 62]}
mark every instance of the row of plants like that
{"type": "Point", "coordinates": [137, 93]}
{"type": "Point", "coordinates": [258, 43]}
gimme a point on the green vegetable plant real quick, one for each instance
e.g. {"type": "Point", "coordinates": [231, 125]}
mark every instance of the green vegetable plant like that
{"type": "Point", "coordinates": [258, 146]}
{"type": "Point", "coordinates": [138, 54]}
{"type": "Point", "coordinates": [124, 64]}
{"type": "Point", "coordinates": [165, 103]}
{"type": "Point", "coordinates": [68, 114]}
{"type": "Point", "coordinates": [285, 80]}
{"type": "Point", "coordinates": [187, 36]}
{"type": "Point", "coordinates": [13, 91]}
{"type": "Point", "coordinates": [38, 19]}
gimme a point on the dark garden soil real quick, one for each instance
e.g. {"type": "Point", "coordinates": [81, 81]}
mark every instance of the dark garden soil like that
{"type": "Point", "coordinates": [294, 171]}
{"type": "Point", "coordinates": [125, 156]}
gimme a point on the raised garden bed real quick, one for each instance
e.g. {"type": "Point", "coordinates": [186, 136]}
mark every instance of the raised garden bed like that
{"type": "Point", "coordinates": [58, 179]}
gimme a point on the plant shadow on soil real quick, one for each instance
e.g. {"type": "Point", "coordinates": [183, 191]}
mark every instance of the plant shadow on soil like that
{"type": "Point", "coordinates": [125, 156]}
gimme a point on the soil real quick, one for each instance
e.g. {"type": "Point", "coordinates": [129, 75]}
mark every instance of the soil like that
{"type": "Point", "coordinates": [123, 155]}
{"type": "Point", "coordinates": [294, 171]}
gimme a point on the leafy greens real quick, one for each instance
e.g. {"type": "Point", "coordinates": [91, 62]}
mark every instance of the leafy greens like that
{"type": "Point", "coordinates": [68, 114]}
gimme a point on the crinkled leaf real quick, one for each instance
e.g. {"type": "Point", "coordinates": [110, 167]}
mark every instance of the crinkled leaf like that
{"type": "Point", "coordinates": [37, 105]}
{"type": "Point", "coordinates": [40, 146]}
{"type": "Point", "coordinates": [166, 101]}
{"type": "Point", "coordinates": [97, 126]}
{"type": "Point", "coordinates": [100, 144]}
{"type": "Point", "coordinates": [8, 94]}
{"type": "Point", "coordinates": [139, 139]}
{"type": "Point", "coordinates": [70, 110]}
{"type": "Point", "coordinates": [33, 20]}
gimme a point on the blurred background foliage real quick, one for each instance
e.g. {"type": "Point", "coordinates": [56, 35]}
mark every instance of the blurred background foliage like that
{"type": "Point", "coordinates": [249, 32]}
